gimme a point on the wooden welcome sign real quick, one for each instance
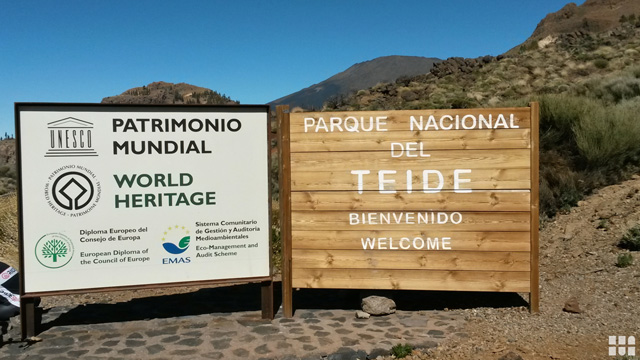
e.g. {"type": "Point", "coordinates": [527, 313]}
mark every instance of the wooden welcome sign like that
{"type": "Point", "coordinates": [410, 200]}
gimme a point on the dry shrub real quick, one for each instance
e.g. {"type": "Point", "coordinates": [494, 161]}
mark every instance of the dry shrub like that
{"type": "Point", "coordinates": [612, 89]}
{"type": "Point", "coordinates": [9, 229]}
{"type": "Point", "coordinates": [585, 143]}
{"type": "Point", "coordinates": [607, 136]}
{"type": "Point", "coordinates": [276, 239]}
{"type": "Point", "coordinates": [561, 186]}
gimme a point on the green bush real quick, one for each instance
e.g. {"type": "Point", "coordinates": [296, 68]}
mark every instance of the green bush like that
{"type": "Point", "coordinates": [624, 260]}
{"type": "Point", "coordinates": [614, 89]}
{"type": "Point", "coordinates": [9, 219]}
{"type": "Point", "coordinates": [631, 240]}
{"type": "Point", "coordinates": [276, 239]}
{"type": "Point", "coordinates": [560, 186]}
{"type": "Point", "coordinates": [558, 116]}
{"type": "Point", "coordinates": [532, 45]}
{"type": "Point", "coordinates": [601, 63]}
{"type": "Point", "coordinates": [585, 143]}
{"type": "Point", "coordinates": [626, 357]}
{"type": "Point", "coordinates": [618, 89]}
{"type": "Point", "coordinates": [608, 136]}
{"type": "Point", "coordinates": [401, 351]}
{"type": "Point", "coordinates": [463, 102]}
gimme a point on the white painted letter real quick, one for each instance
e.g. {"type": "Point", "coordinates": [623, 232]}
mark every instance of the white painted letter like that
{"type": "Point", "coordinates": [354, 219]}
{"type": "Point", "coordinates": [425, 181]}
{"type": "Point", "coordinates": [457, 180]}
{"type": "Point", "coordinates": [322, 124]}
{"type": "Point", "coordinates": [382, 181]}
{"type": "Point", "coordinates": [455, 215]}
{"type": "Point", "coordinates": [380, 122]}
{"type": "Point", "coordinates": [335, 122]}
{"type": "Point", "coordinates": [369, 243]}
{"type": "Point", "coordinates": [360, 181]}
{"type": "Point", "coordinates": [512, 122]}
{"type": "Point", "coordinates": [308, 122]}
{"type": "Point", "coordinates": [414, 123]}
{"type": "Point", "coordinates": [393, 150]}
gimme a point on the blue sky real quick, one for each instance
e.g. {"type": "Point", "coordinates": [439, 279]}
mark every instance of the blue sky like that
{"type": "Point", "coordinates": [252, 51]}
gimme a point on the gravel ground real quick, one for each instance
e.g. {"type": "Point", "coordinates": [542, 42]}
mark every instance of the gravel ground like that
{"type": "Point", "coordinates": [578, 253]}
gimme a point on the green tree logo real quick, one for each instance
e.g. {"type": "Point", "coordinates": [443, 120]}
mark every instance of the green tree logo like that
{"type": "Point", "coordinates": [53, 249]}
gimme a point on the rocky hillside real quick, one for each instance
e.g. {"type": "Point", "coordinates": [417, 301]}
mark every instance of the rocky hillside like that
{"type": "Point", "coordinates": [161, 92]}
{"type": "Point", "coordinates": [8, 174]}
{"type": "Point", "coordinates": [358, 76]}
{"type": "Point", "coordinates": [588, 86]}
{"type": "Point", "coordinates": [592, 16]}
{"type": "Point", "coordinates": [555, 66]}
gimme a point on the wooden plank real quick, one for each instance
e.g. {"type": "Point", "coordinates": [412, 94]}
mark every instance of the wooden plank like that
{"type": "Point", "coordinates": [534, 296]}
{"type": "Point", "coordinates": [282, 114]}
{"type": "Point", "coordinates": [470, 221]}
{"type": "Point", "coordinates": [483, 179]}
{"type": "Point", "coordinates": [460, 240]}
{"type": "Point", "coordinates": [401, 119]}
{"type": "Point", "coordinates": [411, 259]}
{"type": "Point", "coordinates": [412, 280]}
{"type": "Point", "coordinates": [429, 140]}
{"type": "Point", "coordinates": [441, 160]}
{"type": "Point", "coordinates": [444, 200]}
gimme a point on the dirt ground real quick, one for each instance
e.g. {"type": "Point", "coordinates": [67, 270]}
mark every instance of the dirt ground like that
{"type": "Point", "coordinates": [578, 253]}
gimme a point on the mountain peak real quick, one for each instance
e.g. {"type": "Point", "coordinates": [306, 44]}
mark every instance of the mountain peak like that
{"type": "Point", "coordinates": [592, 16]}
{"type": "Point", "coordinates": [359, 76]}
{"type": "Point", "coordinates": [160, 92]}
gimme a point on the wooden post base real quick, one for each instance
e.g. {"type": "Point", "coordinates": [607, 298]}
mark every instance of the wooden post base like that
{"type": "Point", "coordinates": [268, 311]}
{"type": "Point", "coordinates": [29, 321]}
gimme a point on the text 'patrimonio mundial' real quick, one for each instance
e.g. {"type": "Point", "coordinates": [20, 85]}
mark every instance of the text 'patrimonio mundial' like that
{"type": "Point", "coordinates": [167, 147]}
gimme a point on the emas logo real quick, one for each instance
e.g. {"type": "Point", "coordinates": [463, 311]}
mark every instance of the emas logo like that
{"type": "Point", "coordinates": [176, 232]}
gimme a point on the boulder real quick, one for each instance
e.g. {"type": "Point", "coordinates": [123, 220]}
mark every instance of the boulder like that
{"type": "Point", "coordinates": [408, 95]}
{"type": "Point", "coordinates": [511, 356]}
{"type": "Point", "coordinates": [378, 305]}
{"type": "Point", "coordinates": [572, 306]}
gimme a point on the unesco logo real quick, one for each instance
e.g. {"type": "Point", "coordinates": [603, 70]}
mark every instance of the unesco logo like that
{"type": "Point", "coordinates": [70, 137]}
{"type": "Point", "coordinates": [72, 190]}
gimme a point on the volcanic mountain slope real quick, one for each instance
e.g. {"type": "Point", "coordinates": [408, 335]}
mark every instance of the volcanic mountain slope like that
{"type": "Point", "coordinates": [592, 16]}
{"type": "Point", "coordinates": [358, 76]}
{"type": "Point", "coordinates": [567, 61]}
{"type": "Point", "coordinates": [161, 92]}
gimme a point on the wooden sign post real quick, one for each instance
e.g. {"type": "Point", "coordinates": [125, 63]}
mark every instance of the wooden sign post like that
{"type": "Point", "coordinates": [410, 200]}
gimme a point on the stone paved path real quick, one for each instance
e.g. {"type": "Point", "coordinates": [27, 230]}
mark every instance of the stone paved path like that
{"type": "Point", "coordinates": [310, 334]}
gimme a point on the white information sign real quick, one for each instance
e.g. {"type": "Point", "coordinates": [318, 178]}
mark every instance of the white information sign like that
{"type": "Point", "coordinates": [134, 195]}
